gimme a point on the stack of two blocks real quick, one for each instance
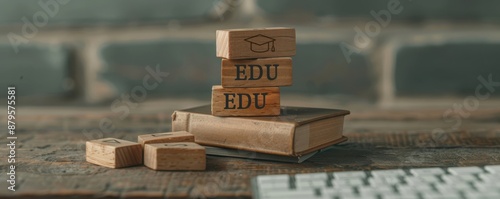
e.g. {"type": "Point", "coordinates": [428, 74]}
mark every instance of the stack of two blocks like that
{"type": "Point", "coordinates": [255, 63]}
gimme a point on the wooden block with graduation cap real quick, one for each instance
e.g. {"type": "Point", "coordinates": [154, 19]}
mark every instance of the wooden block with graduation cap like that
{"type": "Point", "coordinates": [255, 43]}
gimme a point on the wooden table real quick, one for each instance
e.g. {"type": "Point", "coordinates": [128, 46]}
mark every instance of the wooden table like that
{"type": "Point", "coordinates": [51, 158]}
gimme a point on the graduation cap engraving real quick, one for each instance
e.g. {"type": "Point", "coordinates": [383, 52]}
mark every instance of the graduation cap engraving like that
{"type": "Point", "coordinates": [261, 43]}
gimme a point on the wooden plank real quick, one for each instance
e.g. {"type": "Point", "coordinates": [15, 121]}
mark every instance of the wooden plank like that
{"type": "Point", "coordinates": [175, 156]}
{"type": "Point", "coordinates": [264, 72]}
{"type": "Point", "coordinates": [179, 136]}
{"type": "Point", "coordinates": [262, 101]}
{"type": "Point", "coordinates": [113, 153]}
{"type": "Point", "coordinates": [255, 43]}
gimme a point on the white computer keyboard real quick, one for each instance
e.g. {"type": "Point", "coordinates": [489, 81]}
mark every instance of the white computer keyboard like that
{"type": "Point", "coordinates": [419, 183]}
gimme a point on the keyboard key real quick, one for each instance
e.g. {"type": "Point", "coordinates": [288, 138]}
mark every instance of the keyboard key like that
{"type": "Point", "coordinates": [465, 170]}
{"type": "Point", "coordinates": [386, 173]}
{"type": "Point", "coordinates": [351, 196]}
{"type": "Point", "coordinates": [489, 177]}
{"type": "Point", "coordinates": [455, 187]}
{"type": "Point", "coordinates": [399, 196]}
{"type": "Point", "coordinates": [417, 188]}
{"type": "Point", "coordinates": [435, 195]}
{"type": "Point", "coordinates": [450, 179]}
{"type": "Point", "coordinates": [483, 195]}
{"type": "Point", "coordinates": [376, 190]}
{"type": "Point", "coordinates": [493, 168]}
{"type": "Point", "coordinates": [427, 171]}
{"type": "Point", "coordinates": [275, 186]}
{"type": "Point", "coordinates": [310, 176]}
{"type": "Point", "coordinates": [329, 191]}
{"type": "Point", "coordinates": [310, 184]}
{"type": "Point", "coordinates": [384, 181]}
{"type": "Point", "coordinates": [487, 186]}
{"type": "Point", "coordinates": [349, 174]}
{"type": "Point", "coordinates": [347, 196]}
{"type": "Point", "coordinates": [347, 182]}
{"type": "Point", "coordinates": [354, 196]}
{"type": "Point", "coordinates": [422, 180]}
{"type": "Point", "coordinates": [305, 193]}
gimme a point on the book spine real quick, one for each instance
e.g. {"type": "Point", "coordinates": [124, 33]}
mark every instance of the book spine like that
{"type": "Point", "coordinates": [245, 134]}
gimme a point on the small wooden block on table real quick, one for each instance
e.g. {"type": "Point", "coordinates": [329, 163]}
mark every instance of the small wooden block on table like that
{"type": "Point", "coordinates": [261, 101]}
{"type": "Point", "coordinates": [179, 136]}
{"type": "Point", "coordinates": [257, 72]}
{"type": "Point", "coordinates": [255, 43]}
{"type": "Point", "coordinates": [175, 156]}
{"type": "Point", "coordinates": [113, 153]}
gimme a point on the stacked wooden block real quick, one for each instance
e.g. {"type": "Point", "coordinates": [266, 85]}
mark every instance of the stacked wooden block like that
{"type": "Point", "coordinates": [160, 151]}
{"type": "Point", "coordinates": [255, 63]}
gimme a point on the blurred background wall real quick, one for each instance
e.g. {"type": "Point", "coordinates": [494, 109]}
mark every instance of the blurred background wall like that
{"type": "Point", "coordinates": [377, 51]}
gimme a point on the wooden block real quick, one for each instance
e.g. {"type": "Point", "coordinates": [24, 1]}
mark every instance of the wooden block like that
{"type": "Point", "coordinates": [113, 153]}
{"type": "Point", "coordinates": [179, 136]}
{"type": "Point", "coordinates": [175, 156]}
{"type": "Point", "coordinates": [262, 101]}
{"type": "Point", "coordinates": [257, 72]}
{"type": "Point", "coordinates": [255, 43]}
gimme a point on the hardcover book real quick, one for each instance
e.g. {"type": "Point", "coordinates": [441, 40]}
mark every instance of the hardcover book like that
{"type": "Point", "coordinates": [295, 132]}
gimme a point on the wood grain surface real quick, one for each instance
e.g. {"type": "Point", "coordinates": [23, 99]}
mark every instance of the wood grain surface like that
{"type": "Point", "coordinates": [52, 164]}
{"type": "Point", "coordinates": [263, 72]}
